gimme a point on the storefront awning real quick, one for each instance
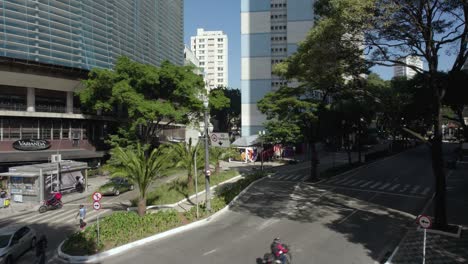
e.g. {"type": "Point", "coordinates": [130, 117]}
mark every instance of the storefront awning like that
{"type": "Point", "coordinates": [41, 156]}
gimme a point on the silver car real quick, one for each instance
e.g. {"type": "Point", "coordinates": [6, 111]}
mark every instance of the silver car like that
{"type": "Point", "coordinates": [14, 241]}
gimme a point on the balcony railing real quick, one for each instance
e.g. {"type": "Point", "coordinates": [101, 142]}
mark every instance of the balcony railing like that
{"type": "Point", "coordinates": [13, 107]}
{"type": "Point", "coordinates": [39, 108]}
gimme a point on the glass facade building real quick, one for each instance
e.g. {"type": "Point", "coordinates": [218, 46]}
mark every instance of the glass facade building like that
{"type": "Point", "coordinates": [270, 32]}
{"type": "Point", "coordinates": [87, 33]}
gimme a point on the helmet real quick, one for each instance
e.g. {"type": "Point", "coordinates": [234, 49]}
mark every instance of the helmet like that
{"type": "Point", "coordinates": [276, 240]}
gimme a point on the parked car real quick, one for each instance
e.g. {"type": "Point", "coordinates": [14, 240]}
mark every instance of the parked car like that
{"type": "Point", "coordinates": [14, 241]}
{"type": "Point", "coordinates": [116, 186]}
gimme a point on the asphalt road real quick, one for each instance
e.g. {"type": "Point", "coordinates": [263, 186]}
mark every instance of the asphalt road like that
{"type": "Point", "coordinates": [58, 224]}
{"type": "Point", "coordinates": [358, 217]}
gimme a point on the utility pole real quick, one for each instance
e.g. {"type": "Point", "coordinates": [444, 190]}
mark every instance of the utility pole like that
{"type": "Point", "coordinates": [261, 133]}
{"type": "Point", "coordinates": [207, 158]}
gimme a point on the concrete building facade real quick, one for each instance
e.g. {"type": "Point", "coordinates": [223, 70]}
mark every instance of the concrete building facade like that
{"type": "Point", "coordinates": [270, 32]}
{"type": "Point", "coordinates": [48, 47]}
{"type": "Point", "coordinates": [404, 71]}
{"type": "Point", "coordinates": [211, 49]}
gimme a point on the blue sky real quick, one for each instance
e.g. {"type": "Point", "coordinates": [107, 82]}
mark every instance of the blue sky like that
{"type": "Point", "coordinates": [225, 16]}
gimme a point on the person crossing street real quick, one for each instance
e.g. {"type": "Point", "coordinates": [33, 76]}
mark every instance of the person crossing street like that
{"type": "Point", "coordinates": [82, 214]}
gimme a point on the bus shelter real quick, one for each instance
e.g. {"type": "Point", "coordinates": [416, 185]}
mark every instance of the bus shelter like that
{"type": "Point", "coordinates": [33, 183]}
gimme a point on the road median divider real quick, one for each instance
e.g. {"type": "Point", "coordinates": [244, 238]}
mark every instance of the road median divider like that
{"type": "Point", "coordinates": [122, 231]}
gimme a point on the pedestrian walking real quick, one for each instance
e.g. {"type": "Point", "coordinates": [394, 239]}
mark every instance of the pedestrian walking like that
{"type": "Point", "coordinates": [41, 247]}
{"type": "Point", "coordinates": [82, 214]}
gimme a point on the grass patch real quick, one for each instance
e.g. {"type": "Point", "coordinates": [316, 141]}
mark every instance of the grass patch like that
{"type": "Point", "coordinates": [178, 189]}
{"type": "Point", "coordinates": [118, 229]}
{"type": "Point", "coordinates": [124, 227]}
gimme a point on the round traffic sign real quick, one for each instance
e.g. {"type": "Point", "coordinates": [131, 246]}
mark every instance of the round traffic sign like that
{"type": "Point", "coordinates": [214, 137]}
{"type": "Point", "coordinates": [425, 221]}
{"type": "Point", "coordinates": [208, 172]}
{"type": "Point", "coordinates": [96, 205]}
{"type": "Point", "coordinates": [97, 196]}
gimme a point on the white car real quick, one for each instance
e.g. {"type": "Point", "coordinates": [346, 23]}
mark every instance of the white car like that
{"type": "Point", "coordinates": [14, 241]}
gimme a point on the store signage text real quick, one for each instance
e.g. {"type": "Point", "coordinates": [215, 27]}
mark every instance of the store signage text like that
{"type": "Point", "coordinates": [31, 144]}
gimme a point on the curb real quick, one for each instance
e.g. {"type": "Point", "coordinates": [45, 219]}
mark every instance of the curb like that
{"type": "Point", "coordinates": [100, 256]}
{"type": "Point", "coordinates": [364, 165]}
{"type": "Point", "coordinates": [186, 199]}
{"type": "Point", "coordinates": [429, 201]}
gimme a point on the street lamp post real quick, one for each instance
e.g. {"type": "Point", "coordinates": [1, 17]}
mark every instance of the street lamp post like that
{"type": "Point", "coordinates": [207, 157]}
{"type": "Point", "coordinates": [261, 133]}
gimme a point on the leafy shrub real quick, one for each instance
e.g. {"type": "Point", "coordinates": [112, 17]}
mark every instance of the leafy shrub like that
{"type": "Point", "coordinates": [118, 229]}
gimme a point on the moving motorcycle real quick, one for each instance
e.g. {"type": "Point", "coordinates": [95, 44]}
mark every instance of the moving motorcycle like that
{"type": "Point", "coordinates": [54, 202]}
{"type": "Point", "coordinates": [269, 258]}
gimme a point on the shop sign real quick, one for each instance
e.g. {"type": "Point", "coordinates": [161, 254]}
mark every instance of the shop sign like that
{"type": "Point", "coordinates": [31, 144]}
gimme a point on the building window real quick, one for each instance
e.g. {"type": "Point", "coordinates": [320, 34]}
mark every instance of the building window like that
{"type": "Point", "coordinates": [202, 63]}
{"type": "Point", "coordinates": [201, 57]}
{"type": "Point", "coordinates": [220, 45]}
{"type": "Point", "coordinates": [220, 51]}
{"type": "Point", "coordinates": [220, 39]}
{"type": "Point", "coordinates": [201, 40]}
{"type": "Point", "coordinates": [220, 74]}
{"type": "Point", "coordinates": [220, 80]}
{"type": "Point", "coordinates": [220, 57]}
{"type": "Point", "coordinates": [220, 68]}
{"type": "Point", "coordinates": [201, 46]}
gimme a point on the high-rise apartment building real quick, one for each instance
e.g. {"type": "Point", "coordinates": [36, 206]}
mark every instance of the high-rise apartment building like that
{"type": "Point", "coordinates": [211, 49]}
{"type": "Point", "coordinates": [48, 47]}
{"type": "Point", "coordinates": [405, 71]}
{"type": "Point", "coordinates": [270, 32]}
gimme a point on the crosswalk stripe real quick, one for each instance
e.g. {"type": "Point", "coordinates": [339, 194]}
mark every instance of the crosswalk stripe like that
{"type": "Point", "coordinates": [415, 189]}
{"type": "Point", "coordinates": [348, 182]}
{"type": "Point", "coordinates": [384, 186]}
{"type": "Point", "coordinates": [332, 180]}
{"type": "Point", "coordinates": [394, 187]}
{"type": "Point", "coordinates": [358, 182]}
{"type": "Point", "coordinates": [365, 184]}
{"type": "Point", "coordinates": [341, 181]}
{"type": "Point", "coordinates": [426, 190]}
{"type": "Point", "coordinates": [38, 216]}
{"type": "Point", "coordinates": [297, 177]}
{"type": "Point", "coordinates": [55, 218]}
{"type": "Point", "coordinates": [375, 185]}
{"type": "Point", "coordinates": [293, 176]}
{"type": "Point", "coordinates": [405, 188]}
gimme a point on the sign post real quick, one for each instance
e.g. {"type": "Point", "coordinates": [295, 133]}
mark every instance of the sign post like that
{"type": "Point", "coordinates": [425, 222]}
{"type": "Point", "coordinates": [97, 206]}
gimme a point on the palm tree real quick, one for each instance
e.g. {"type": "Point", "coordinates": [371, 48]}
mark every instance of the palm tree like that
{"type": "Point", "coordinates": [184, 153]}
{"type": "Point", "coordinates": [218, 153]}
{"type": "Point", "coordinates": [139, 168]}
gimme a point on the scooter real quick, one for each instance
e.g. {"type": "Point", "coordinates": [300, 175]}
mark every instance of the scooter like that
{"type": "Point", "coordinates": [50, 204]}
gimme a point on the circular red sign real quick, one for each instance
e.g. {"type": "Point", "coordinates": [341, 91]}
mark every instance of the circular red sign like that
{"type": "Point", "coordinates": [425, 221]}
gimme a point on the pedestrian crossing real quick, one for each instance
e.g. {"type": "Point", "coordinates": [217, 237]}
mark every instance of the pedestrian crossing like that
{"type": "Point", "coordinates": [289, 176]}
{"type": "Point", "coordinates": [64, 216]}
{"type": "Point", "coordinates": [378, 186]}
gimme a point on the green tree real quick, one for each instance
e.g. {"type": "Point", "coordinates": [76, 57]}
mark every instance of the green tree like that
{"type": "Point", "coordinates": [394, 29]}
{"type": "Point", "coordinates": [219, 153]}
{"type": "Point", "coordinates": [148, 98]}
{"type": "Point", "coordinates": [139, 168]}
{"type": "Point", "coordinates": [184, 154]}
{"type": "Point", "coordinates": [228, 108]}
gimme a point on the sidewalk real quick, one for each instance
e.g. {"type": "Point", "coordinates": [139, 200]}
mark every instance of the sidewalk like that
{"type": "Point", "coordinates": [441, 249]}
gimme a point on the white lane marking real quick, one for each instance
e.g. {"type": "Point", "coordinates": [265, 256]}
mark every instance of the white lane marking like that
{"type": "Point", "coordinates": [37, 217]}
{"type": "Point", "coordinates": [209, 252]}
{"type": "Point", "coordinates": [348, 182]}
{"type": "Point", "coordinates": [415, 189]}
{"type": "Point", "coordinates": [267, 223]}
{"type": "Point", "coordinates": [357, 183]}
{"type": "Point", "coordinates": [394, 187]}
{"type": "Point", "coordinates": [384, 186]}
{"type": "Point", "coordinates": [290, 177]}
{"type": "Point", "coordinates": [373, 191]}
{"type": "Point", "coordinates": [297, 177]}
{"type": "Point", "coordinates": [50, 217]}
{"type": "Point", "coordinates": [341, 181]}
{"type": "Point", "coordinates": [365, 184]}
{"type": "Point", "coordinates": [426, 190]}
{"type": "Point", "coordinates": [375, 185]}
{"type": "Point", "coordinates": [356, 210]}
{"type": "Point", "coordinates": [405, 188]}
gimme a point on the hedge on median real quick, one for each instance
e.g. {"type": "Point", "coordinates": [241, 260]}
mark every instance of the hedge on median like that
{"type": "Point", "coordinates": [124, 227]}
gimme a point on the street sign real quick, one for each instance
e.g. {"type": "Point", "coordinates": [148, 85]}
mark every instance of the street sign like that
{"type": "Point", "coordinates": [208, 172]}
{"type": "Point", "coordinates": [96, 205]}
{"type": "Point", "coordinates": [97, 196]}
{"type": "Point", "coordinates": [425, 221]}
{"type": "Point", "coordinates": [220, 140]}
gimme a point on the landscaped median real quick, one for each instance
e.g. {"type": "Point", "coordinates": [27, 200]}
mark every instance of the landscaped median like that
{"type": "Point", "coordinates": [123, 230]}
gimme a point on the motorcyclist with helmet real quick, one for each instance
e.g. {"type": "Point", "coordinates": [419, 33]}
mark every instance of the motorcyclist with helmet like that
{"type": "Point", "coordinates": [279, 250]}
